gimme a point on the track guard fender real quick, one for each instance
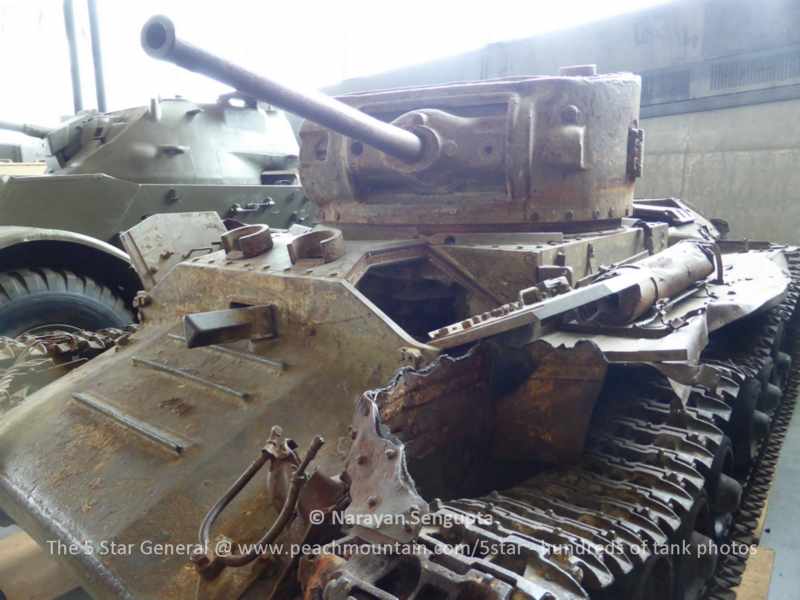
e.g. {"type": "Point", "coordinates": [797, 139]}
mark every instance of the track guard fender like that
{"type": "Point", "coordinates": [22, 246]}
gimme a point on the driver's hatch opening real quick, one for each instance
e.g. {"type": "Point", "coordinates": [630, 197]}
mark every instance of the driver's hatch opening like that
{"type": "Point", "coordinates": [418, 295]}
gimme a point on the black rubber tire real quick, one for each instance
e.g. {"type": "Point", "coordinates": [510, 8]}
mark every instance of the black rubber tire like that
{"type": "Point", "coordinates": [37, 298]}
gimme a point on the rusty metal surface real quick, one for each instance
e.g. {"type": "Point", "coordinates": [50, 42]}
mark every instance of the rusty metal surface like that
{"type": "Point", "coordinates": [320, 320]}
{"type": "Point", "coordinates": [247, 241]}
{"type": "Point", "coordinates": [325, 244]}
{"type": "Point", "coordinates": [383, 498]}
{"type": "Point", "coordinates": [666, 275]}
{"type": "Point", "coordinates": [210, 563]}
{"type": "Point", "coordinates": [684, 222]}
{"type": "Point", "coordinates": [508, 263]}
{"type": "Point", "coordinates": [563, 388]}
{"type": "Point", "coordinates": [154, 248]}
{"type": "Point", "coordinates": [522, 165]}
{"type": "Point", "coordinates": [481, 156]}
{"type": "Point", "coordinates": [655, 297]}
{"type": "Point", "coordinates": [26, 570]}
{"type": "Point", "coordinates": [755, 281]}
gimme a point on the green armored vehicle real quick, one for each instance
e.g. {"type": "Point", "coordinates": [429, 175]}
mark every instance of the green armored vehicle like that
{"type": "Point", "coordinates": [59, 257]}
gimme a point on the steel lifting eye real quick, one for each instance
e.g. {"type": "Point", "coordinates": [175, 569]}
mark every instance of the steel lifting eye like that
{"type": "Point", "coordinates": [247, 241]}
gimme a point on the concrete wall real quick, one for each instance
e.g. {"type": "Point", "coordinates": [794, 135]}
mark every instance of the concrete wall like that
{"type": "Point", "coordinates": [721, 99]}
{"type": "Point", "coordinates": [741, 164]}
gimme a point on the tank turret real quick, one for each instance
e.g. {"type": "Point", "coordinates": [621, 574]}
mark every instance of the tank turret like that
{"type": "Point", "coordinates": [233, 141]}
{"type": "Point", "coordinates": [514, 154]}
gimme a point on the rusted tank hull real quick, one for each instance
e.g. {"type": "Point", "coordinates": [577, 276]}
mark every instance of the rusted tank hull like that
{"type": "Point", "coordinates": [140, 425]}
{"type": "Point", "coordinates": [134, 448]}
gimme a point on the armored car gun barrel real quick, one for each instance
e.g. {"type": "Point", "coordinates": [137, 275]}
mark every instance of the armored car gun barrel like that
{"type": "Point", "coordinates": [36, 131]}
{"type": "Point", "coordinates": [518, 154]}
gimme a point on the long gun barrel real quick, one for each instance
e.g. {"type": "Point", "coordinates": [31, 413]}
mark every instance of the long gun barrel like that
{"type": "Point", "coordinates": [159, 41]}
{"type": "Point", "coordinates": [26, 128]}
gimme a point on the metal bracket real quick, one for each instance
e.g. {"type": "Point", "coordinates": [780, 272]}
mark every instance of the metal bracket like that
{"type": "Point", "coordinates": [635, 152]}
{"type": "Point", "coordinates": [326, 244]}
{"type": "Point", "coordinates": [672, 215]}
{"type": "Point", "coordinates": [161, 241]}
{"type": "Point", "coordinates": [251, 207]}
{"type": "Point", "coordinates": [247, 241]}
{"type": "Point", "coordinates": [231, 325]}
{"type": "Point", "coordinates": [633, 331]}
{"type": "Point", "coordinates": [546, 272]}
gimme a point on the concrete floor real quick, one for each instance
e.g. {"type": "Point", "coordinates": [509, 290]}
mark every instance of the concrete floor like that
{"type": "Point", "coordinates": [73, 595]}
{"type": "Point", "coordinates": [782, 526]}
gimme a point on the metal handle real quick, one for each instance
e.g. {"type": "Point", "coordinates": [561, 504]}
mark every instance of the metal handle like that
{"type": "Point", "coordinates": [210, 567]}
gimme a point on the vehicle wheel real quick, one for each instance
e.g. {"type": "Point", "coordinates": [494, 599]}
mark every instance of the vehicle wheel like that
{"type": "Point", "coordinates": [42, 299]}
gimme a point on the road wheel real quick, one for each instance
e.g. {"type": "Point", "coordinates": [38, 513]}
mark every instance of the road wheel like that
{"type": "Point", "coordinates": [42, 299]}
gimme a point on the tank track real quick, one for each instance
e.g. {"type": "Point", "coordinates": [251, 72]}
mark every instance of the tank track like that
{"type": "Point", "coordinates": [648, 512]}
{"type": "Point", "coordinates": [29, 362]}
{"type": "Point", "coordinates": [756, 489]}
